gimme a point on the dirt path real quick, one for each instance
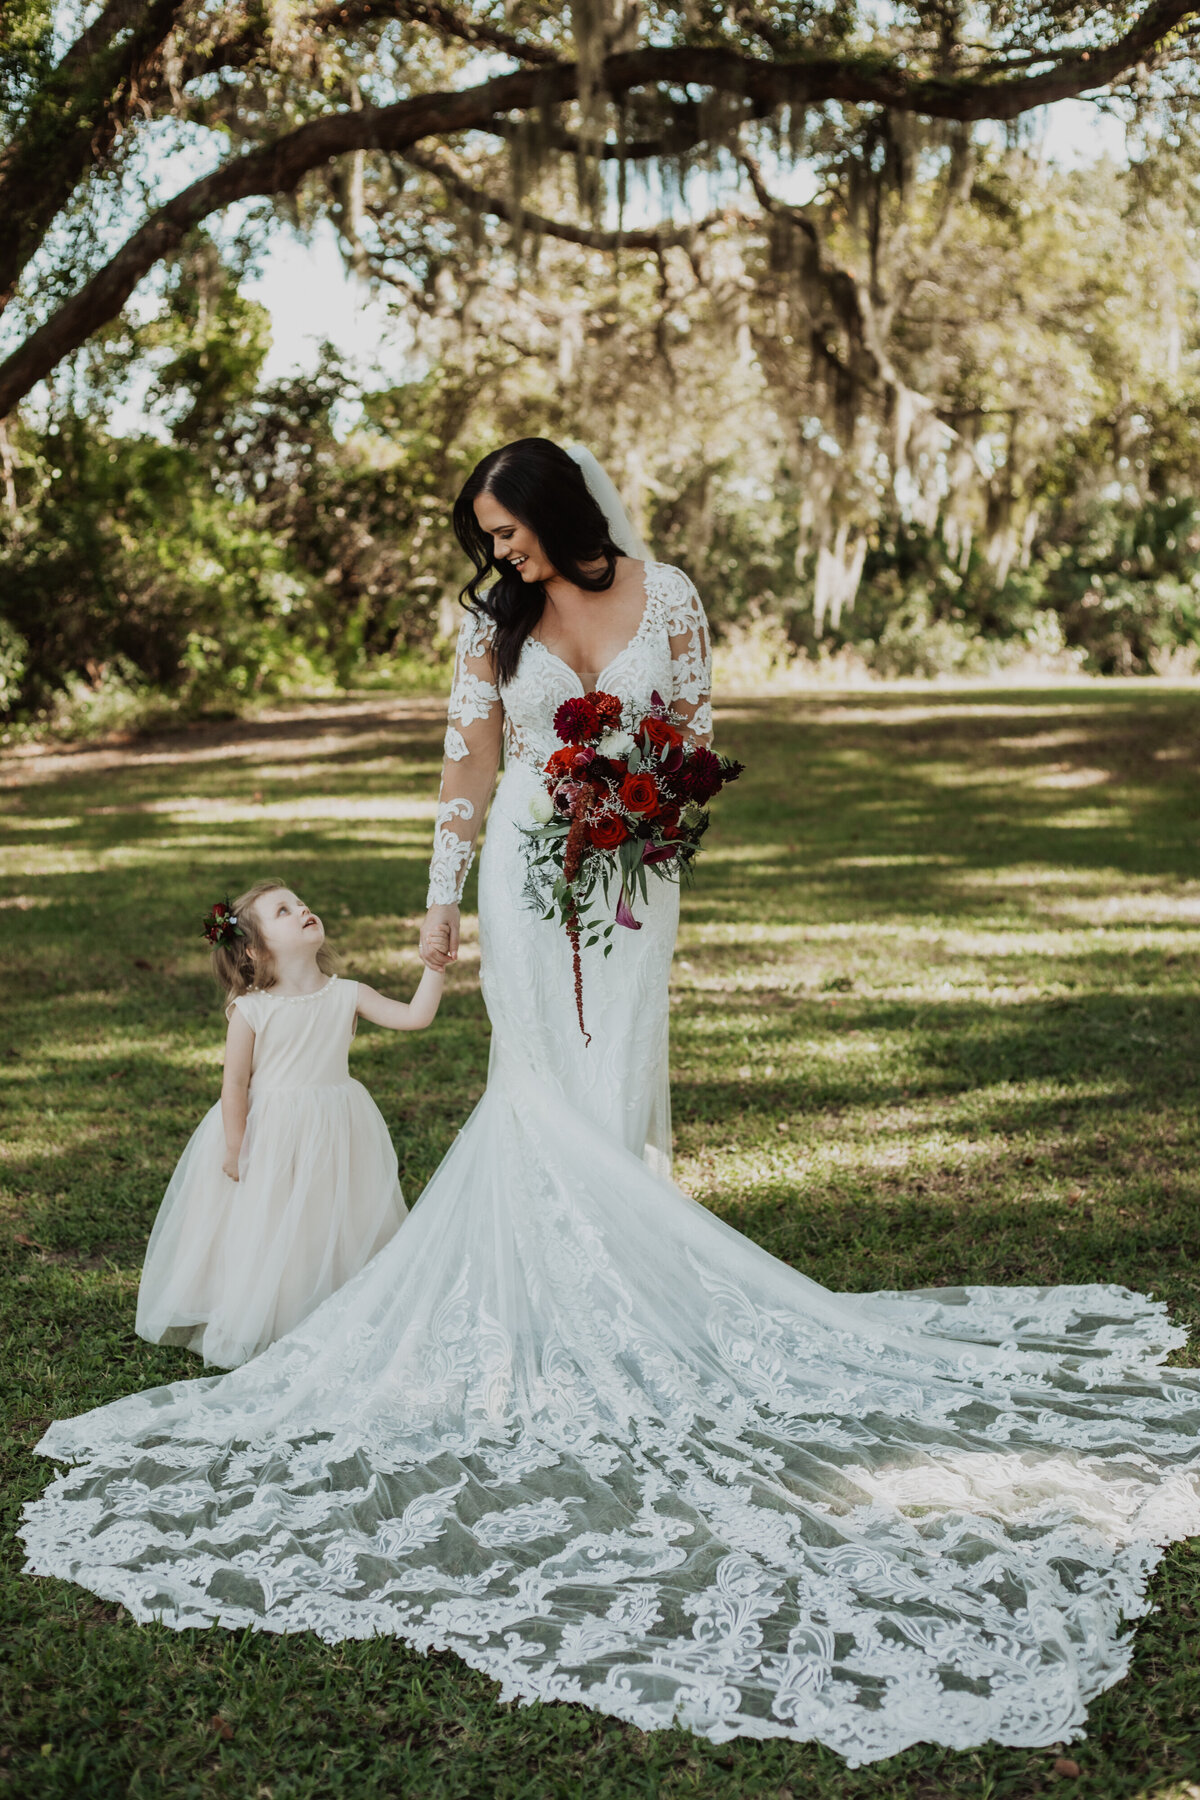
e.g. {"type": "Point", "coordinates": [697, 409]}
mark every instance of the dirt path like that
{"type": "Point", "coordinates": [311, 726]}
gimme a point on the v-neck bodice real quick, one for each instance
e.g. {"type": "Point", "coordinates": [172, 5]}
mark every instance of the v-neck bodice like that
{"type": "Point", "coordinates": [648, 663]}
{"type": "Point", "coordinates": [613, 661]}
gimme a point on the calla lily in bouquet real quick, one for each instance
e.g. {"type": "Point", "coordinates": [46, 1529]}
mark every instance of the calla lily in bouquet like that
{"type": "Point", "coordinates": [625, 798]}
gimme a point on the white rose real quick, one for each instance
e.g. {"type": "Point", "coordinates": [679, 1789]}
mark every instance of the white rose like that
{"type": "Point", "coordinates": [541, 806]}
{"type": "Point", "coordinates": [615, 743]}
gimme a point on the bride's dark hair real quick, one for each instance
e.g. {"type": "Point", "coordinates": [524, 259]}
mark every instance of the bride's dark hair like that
{"type": "Point", "coordinates": [539, 484]}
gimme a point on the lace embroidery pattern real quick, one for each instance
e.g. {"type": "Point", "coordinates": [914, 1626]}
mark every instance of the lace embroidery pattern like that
{"type": "Point", "coordinates": [471, 752]}
{"type": "Point", "coordinates": [471, 698]}
{"type": "Point", "coordinates": [452, 853]}
{"type": "Point", "coordinates": [793, 1521]}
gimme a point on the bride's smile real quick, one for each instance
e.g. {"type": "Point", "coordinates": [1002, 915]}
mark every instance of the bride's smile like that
{"type": "Point", "coordinates": [513, 544]}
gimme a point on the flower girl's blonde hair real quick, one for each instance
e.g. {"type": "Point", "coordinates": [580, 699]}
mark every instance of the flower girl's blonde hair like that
{"type": "Point", "coordinates": [241, 961]}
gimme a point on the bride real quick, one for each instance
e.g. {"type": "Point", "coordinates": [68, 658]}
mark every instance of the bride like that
{"type": "Point", "coordinates": [570, 1425]}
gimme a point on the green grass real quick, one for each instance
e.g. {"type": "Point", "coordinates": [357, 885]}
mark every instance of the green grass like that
{"type": "Point", "coordinates": [936, 1018]}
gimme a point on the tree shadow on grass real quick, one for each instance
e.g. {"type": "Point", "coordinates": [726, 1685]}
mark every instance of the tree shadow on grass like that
{"type": "Point", "coordinates": [954, 1046]}
{"type": "Point", "coordinates": [841, 779]}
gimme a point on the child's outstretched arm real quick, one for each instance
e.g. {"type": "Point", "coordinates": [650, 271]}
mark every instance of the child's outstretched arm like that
{"type": "Point", "coordinates": [398, 1015]}
{"type": "Point", "coordinates": [235, 1088]}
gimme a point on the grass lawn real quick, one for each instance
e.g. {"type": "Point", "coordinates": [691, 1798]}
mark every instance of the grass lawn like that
{"type": "Point", "coordinates": [936, 1019]}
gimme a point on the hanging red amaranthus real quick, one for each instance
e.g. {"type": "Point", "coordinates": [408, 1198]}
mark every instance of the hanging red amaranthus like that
{"type": "Point", "coordinates": [572, 863]}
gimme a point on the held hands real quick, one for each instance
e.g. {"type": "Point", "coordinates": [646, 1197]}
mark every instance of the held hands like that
{"type": "Point", "coordinates": [439, 938]}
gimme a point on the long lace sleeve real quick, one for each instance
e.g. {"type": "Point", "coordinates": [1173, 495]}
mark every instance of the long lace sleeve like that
{"type": "Point", "coordinates": [691, 658]}
{"type": "Point", "coordinates": [472, 756]}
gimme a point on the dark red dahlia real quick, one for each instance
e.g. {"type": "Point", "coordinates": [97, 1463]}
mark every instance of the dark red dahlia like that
{"type": "Point", "coordinates": [700, 776]}
{"type": "Point", "coordinates": [576, 721]}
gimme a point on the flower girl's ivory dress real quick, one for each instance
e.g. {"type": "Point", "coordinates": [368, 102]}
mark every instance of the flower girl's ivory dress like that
{"type": "Point", "coordinates": [572, 1426]}
{"type": "Point", "coordinates": [233, 1265]}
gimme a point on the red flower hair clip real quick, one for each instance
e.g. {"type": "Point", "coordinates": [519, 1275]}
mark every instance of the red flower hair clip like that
{"type": "Point", "coordinates": [220, 925]}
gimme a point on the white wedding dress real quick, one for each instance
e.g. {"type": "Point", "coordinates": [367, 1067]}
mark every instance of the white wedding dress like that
{"type": "Point", "coordinates": [571, 1426]}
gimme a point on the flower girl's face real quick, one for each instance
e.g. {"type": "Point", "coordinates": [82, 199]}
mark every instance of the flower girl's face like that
{"type": "Point", "coordinates": [288, 928]}
{"type": "Point", "coordinates": [513, 542]}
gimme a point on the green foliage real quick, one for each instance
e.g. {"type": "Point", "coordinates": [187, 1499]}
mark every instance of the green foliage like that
{"type": "Point", "coordinates": [1117, 593]}
{"type": "Point", "coordinates": [1021, 488]}
{"type": "Point", "coordinates": [1128, 587]}
{"type": "Point", "coordinates": [26, 37]}
{"type": "Point", "coordinates": [260, 549]}
{"type": "Point", "coordinates": [128, 555]}
{"type": "Point", "coordinates": [14, 655]}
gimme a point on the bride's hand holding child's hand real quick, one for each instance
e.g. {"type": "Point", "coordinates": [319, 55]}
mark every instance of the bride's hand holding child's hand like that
{"type": "Point", "coordinates": [439, 937]}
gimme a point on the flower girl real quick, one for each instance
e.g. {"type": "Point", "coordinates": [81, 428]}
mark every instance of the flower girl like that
{"type": "Point", "coordinates": [289, 1184]}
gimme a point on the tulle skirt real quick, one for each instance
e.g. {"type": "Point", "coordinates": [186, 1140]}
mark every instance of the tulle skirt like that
{"type": "Point", "coordinates": [231, 1266]}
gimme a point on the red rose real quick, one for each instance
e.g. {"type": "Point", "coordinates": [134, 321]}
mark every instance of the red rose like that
{"type": "Point", "coordinates": [639, 794]}
{"type": "Point", "coordinates": [660, 732]}
{"type": "Point", "coordinates": [668, 821]}
{"type": "Point", "coordinates": [607, 709]}
{"type": "Point", "coordinates": [606, 832]}
{"type": "Point", "coordinates": [576, 721]}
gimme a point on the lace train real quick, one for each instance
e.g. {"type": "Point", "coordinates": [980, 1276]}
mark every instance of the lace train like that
{"type": "Point", "coordinates": [605, 1448]}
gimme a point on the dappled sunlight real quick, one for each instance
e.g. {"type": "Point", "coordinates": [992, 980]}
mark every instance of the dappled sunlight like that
{"type": "Point", "coordinates": [1035, 876]}
{"type": "Point", "coordinates": [855, 1155]}
{"type": "Point", "coordinates": [1141, 908]}
{"type": "Point", "coordinates": [59, 859]}
{"type": "Point", "coordinates": [1072, 778]}
{"type": "Point", "coordinates": [916, 859]}
{"type": "Point", "coordinates": [1035, 742]}
{"type": "Point", "coordinates": [325, 806]}
{"type": "Point", "coordinates": [291, 732]}
{"type": "Point", "coordinates": [1089, 818]}
{"type": "Point", "coordinates": [165, 1049]}
{"type": "Point", "coordinates": [886, 710]}
{"type": "Point", "coordinates": [894, 976]}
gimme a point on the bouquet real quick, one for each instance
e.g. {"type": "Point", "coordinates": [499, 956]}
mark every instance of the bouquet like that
{"type": "Point", "coordinates": [623, 801]}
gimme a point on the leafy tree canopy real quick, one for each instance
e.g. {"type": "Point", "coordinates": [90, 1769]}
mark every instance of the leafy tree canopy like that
{"type": "Point", "coordinates": [290, 104]}
{"type": "Point", "coordinates": [893, 361]}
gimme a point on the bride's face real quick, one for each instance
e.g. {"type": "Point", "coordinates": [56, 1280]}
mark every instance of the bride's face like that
{"type": "Point", "coordinates": [513, 542]}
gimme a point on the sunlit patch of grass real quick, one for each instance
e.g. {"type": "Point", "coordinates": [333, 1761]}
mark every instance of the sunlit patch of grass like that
{"type": "Point", "coordinates": [936, 1017]}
